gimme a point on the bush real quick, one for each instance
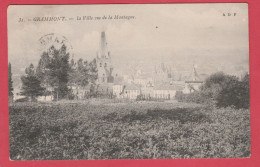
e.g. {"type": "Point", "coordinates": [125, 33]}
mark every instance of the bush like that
{"type": "Point", "coordinates": [220, 90]}
{"type": "Point", "coordinates": [25, 99]}
{"type": "Point", "coordinates": [179, 96]}
{"type": "Point", "coordinates": [235, 94]}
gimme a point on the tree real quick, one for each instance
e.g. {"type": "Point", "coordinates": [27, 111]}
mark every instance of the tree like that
{"type": "Point", "coordinates": [221, 90]}
{"type": "Point", "coordinates": [55, 71]}
{"type": "Point", "coordinates": [82, 77]}
{"type": "Point", "coordinates": [53, 68]}
{"type": "Point", "coordinates": [60, 71]}
{"type": "Point", "coordinates": [83, 74]}
{"type": "Point", "coordinates": [215, 83]}
{"type": "Point", "coordinates": [235, 93]}
{"type": "Point", "coordinates": [42, 73]}
{"type": "Point", "coordinates": [245, 95]}
{"type": "Point", "coordinates": [93, 71]}
{"type": "Point", "coordinates": [42, 70]}
{"type": "Point", "coordinates": [93, 76]}
{"type": "Point", "coordinates": [10, 83]}
{"type": "Point", "coordinates": [31, 85]}
{"type": "Point", "coordinates": [72, 72]}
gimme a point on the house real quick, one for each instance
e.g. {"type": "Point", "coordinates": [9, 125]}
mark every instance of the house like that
{"type": "Point", "coordinates": [166, 91]}
{"type": "Point", "coordinates": [17, 93]}
{"type": "Point", "coordinates": [118, 90]}
{"type": "Point", "coordinates": [45, 98]}
{"type": "Point", "coordinates": [118, 86]}
{"type": "Point", "coordinates": [105, 90]}
{"type": "Point", "coordinates": [79, 92]}
{"type": "Point", "coordinates": [147, 91]}
{"type": "Point", "coordinates": [126, 90]}
{"type": "Point", "coordinates": [131, 91]}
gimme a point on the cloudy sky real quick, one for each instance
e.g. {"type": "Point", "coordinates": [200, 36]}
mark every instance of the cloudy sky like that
{"type": "Point", "coordinates": [178, 34]}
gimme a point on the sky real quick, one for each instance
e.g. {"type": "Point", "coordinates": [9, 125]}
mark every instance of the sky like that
{"type": "Point", "coordinates": [177, 34]}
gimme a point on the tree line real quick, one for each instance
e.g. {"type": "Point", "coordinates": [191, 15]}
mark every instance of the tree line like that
{"type": "Point", "coordinates": [55, 75]}
{"type": "Point", "coordinates": [221, 90]}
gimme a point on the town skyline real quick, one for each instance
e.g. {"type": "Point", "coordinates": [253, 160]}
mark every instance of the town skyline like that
{"type": "Point", "coordinates": [178, 34]}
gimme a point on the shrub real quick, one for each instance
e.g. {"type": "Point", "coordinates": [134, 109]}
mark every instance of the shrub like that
{"type": "Point", "coordinates": [235, 93]}
{"type": "Point", "coordinates": [220, 90]}
{"type": "Point", "coordinates": [179, 96]}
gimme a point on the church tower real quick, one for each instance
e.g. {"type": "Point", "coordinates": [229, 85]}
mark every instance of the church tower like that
{"type": "Point", "coordinates": [104, 65]}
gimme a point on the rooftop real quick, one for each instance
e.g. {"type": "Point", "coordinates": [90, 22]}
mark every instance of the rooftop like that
{"type": "Point", "coordinates": [176, 87]}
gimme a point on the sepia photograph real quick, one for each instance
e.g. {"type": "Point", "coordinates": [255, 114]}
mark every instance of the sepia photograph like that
{"type": "Point", "coordinates": [128, 81]}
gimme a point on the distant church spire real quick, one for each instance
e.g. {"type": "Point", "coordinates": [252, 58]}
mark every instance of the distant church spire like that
{"type": "Point", "coordinates": [194, 74]}
{"type": "Point", "coordinates": [104, 65]}
{"type": "Point", "coordinates": [103, 51]}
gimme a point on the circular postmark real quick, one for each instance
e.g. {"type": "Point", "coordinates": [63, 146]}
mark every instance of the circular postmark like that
{"type": "Point", "coordinates": [56, 40]}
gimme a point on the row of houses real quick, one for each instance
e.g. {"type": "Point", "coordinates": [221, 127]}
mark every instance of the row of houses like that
{"type": "Point", "coordinates": [127, 91]}
{"type": "Point", "coordinates": [158, 85]}
{"type": "Point", "coordinates": [165, 91]}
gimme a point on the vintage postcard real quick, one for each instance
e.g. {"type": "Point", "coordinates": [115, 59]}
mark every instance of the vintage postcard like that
{"type": "Point", "coordinates": [128, 81]}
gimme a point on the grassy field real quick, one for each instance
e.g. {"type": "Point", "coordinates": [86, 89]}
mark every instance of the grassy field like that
{"type": "Point", "coordinates": [108, 130]}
